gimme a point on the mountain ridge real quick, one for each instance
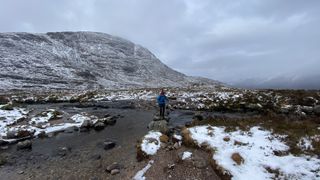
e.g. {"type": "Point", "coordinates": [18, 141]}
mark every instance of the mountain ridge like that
{"type": "Point", "coordinates": [82, 60]}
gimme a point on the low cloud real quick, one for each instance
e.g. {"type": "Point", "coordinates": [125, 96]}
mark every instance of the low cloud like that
{"type": "Point", "coordinates": [238, 42]}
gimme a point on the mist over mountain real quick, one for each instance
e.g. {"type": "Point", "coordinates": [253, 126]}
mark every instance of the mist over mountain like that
{"type": "Point", "coordinates": [282, 82]}
{"type": "Point", "coordinates": [82, 60]}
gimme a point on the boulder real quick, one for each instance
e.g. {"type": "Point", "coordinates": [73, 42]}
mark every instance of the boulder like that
{"type": "Point", "coordinates": [62, 151]}
{"type": "Point", "coordinates": [86, 124]}
{"type": "Point", "coordinates": [98, 126]}
{"type": "Point", "coordinates": [159, 118]}
{"type": "Point", "coordinates": [3, 142]}
{"type": "Point", "coordinates": [198, 117]}
{"type": "Point", "coordinates": [113, 166]}
{"type": "Point", "coordinates": [27, 144]}
{"type": "Point", "coordinates": [161, 126]}
{"type": "Point", "coordinates": [108, 145]}
{"type": "Point", "coordinates": [11, 134]}
{"type": "Point", "coordinates": [316, 109]}
{"type": "Point", "coordinates": [111, 120]}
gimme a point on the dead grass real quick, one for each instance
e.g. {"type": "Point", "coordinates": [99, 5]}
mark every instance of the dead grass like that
{"type": "Point", "coordinates": [220, 171]}
{"type": "Point", "coordinates": [164, 138]}
{"type": "Point", "coordinates": [186, 138]}
{"type": "Point", "coordinates": [140, 154]}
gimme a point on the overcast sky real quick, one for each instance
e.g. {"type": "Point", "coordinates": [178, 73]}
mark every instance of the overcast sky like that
{"type": "Point", "coordinates": [243, 42]}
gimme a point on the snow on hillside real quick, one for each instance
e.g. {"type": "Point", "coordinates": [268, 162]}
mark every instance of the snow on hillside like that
{"type": "Point", "coordinates": [82, 60]}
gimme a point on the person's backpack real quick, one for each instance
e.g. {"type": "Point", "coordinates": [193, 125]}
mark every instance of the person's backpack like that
{"type": "Point", "coordinates": [161, 99]}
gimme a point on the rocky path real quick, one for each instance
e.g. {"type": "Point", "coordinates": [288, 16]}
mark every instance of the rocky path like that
{"type": "Point", "coordinates": [169, 165]}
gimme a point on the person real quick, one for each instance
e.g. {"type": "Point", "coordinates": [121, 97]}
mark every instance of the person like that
{"type": "Point", "coordinates": [162, 98]}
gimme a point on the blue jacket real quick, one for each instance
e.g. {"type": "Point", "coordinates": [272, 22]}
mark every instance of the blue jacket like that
{"type": "Point", "coordinates": [162, 99]}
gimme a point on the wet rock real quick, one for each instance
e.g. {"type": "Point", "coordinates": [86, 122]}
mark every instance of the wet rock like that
{"type": "Point", "coordinates": [113, 166]}
{"type": "Point", "coordinates": [83, 129]}
{"type": "Point", "coordinates": [108, 145]}
{"type": "Point", "coordinates": [99, 126]}
{"type": "Point", "coordinates": [198, 117]}
{"type": "Point", "coordinates": [42, 134]}
{"type": "Point", "coordinates": [27, 144]}
{"type": "Point", "coordinates": [86, 124]}
{"type": "Point", "coordinates": [111, 120]}
{"type": "Point", "coordinates": [63, 151]}
{"type": "Point", "coordinates": [161, 126]}
{"type": "Point", "coordinates": [307, 109]}
{"type": "Point", "coordinates": [316, 109]}
{"type": "Point", "coordinates": [3, 143]}
{"type": "Point", "coordinates": [188, 124]}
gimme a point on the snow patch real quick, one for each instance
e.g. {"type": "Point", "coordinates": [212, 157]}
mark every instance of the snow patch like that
{"type": "Point", "coordinates": [140, 174]}
{"type": "Point", "coordinates": [151, 142]}
{"type": "Point", "coordinates": [186, 155]}
{"type": "Point", "coordinates": [305, 143]}
{"type": "Point", "coordinates": [178, 137]}
{"type": "Point", "coordinates": [257, 151]}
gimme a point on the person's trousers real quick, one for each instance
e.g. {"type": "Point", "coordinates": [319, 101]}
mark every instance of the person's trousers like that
{"type": "Point", "coordinates": [162, 109]}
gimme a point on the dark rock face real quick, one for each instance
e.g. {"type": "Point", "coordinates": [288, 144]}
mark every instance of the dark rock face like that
{"type": "Point", "coordinates": [81, 60]}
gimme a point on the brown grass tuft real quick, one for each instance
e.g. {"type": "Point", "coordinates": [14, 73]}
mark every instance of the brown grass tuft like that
{"type": "Point", "coordinates": [140, 154]}
{"type": "Point", "coordinates": [186, 138]}
{"type": "Point", "coordinates": [220, 171]}
{"type": "Point", "coordinates": [236, 157]}
{"type": "Point", "coordinates": [164, 138]}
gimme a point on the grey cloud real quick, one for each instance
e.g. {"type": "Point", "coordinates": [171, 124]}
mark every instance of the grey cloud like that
{"type": "Point", "coordinates": [242, 42]}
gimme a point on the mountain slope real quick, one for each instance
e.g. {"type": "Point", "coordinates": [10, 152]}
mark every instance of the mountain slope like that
{"type": "Point", "coordinates": [81, 60]}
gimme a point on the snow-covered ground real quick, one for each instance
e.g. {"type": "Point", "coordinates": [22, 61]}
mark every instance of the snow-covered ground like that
{"type": "Point", "coordinates": [257, 149]}
{"type": "Point", "coordinates": [151, 142]}
{"type": "Point", "coordinates": [38, 124]}
{"type": "Point", "coordinates": [9, 117]}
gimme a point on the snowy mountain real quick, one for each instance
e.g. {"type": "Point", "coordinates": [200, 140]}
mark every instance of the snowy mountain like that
{"type": "Point", "coordinates": [82, 60]}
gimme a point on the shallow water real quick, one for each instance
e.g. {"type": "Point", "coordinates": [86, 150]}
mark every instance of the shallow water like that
{"type": "Point", "coordinates": [44, 161]}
